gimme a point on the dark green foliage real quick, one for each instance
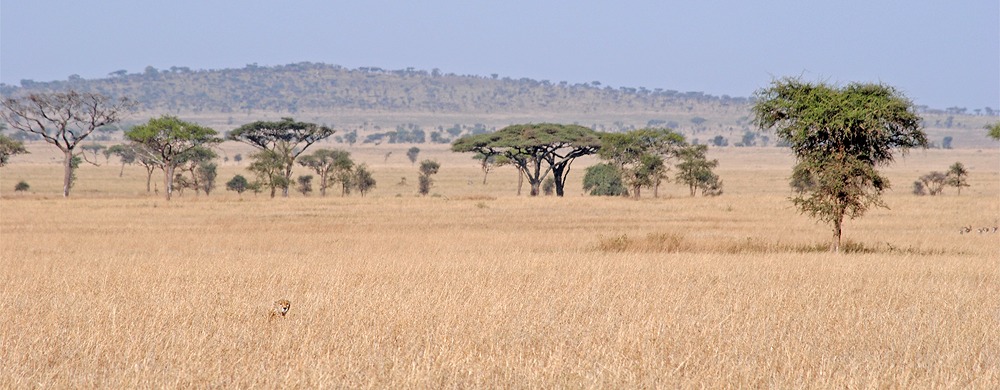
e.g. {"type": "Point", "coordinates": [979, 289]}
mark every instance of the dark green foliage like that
{"type": "Point", "coordinates": [946, 142]}
{"type": "Point", "coordinates": [238, 183]}
{"type": "Point", "coordinates": [604, 179]}
{"type": "Point", "coordinates": [412, 154]}
{"type": "Point", "coordinates": [427, 168]}
{"type": "Point", "coordinates": [720, 141]}
{"type": "Point", "coordinates": [22, 186]}
{"type": "Point", "coordinates": [839, 137]}
{"type": "Point", "coordinates": [535, 149]}
{"type": "Point", "coordinates": [305, 184]}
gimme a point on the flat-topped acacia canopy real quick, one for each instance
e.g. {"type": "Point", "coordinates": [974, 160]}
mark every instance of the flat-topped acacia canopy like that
{"type": "Point", "coordinates": [527, 146]}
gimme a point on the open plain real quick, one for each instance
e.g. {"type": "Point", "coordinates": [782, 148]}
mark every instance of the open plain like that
{"type": "Point", "coordinates": [474, 286]}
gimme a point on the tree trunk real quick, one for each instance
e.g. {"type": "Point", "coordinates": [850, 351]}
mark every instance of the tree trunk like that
{"type": "Point", "coordinates": [122, 172]}
{"type": "Point", "coordinates": [168, 179]}
{"type": "Point", "coordinates": [559, 178]}
{"type": "Point", "coordinates": [835, 246]}
{"type": "Point", "coordinates": [67, 171]}
{"type": "Point", "coordinates": [520, 181]}
{"type": "Point", "coordinates": [149, 178]}
{"type": "Point", "coordinates": [535, 185]}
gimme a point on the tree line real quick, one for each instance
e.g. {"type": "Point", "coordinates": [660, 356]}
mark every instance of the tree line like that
{"type": "Point", "coordinates": [839, 136]}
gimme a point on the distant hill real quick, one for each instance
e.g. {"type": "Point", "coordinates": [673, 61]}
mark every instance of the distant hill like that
{"type": "Point", "coordinates": [370, 99]}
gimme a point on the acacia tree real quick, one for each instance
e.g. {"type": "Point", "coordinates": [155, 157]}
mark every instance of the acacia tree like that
{"type": "Point", "coordinates": [993, 131]}
{"type": "Point", "coordinates": [641, 155]}
{"type": "Point", "coordinates": [285, 140]}
{"type": "Point", "coordinates": [63, 119]}
{"type": "Point", "coordinates": [958, 176]}
{"type": "Point", "coordinates": [169, 141]}
{"type": "Point", "coordinates": [327, 163]}
{"type": "Point", "coordinates": [9, 147]}
{"type": "Point", "coordinates": [535, 149]}
{"type": "Point", "coordinates": [839, 136]}
{"type": "Point", "coordinates": [412, 154]}
{"type": "Point", "coordinates": [427, 168]}
{"type": "Point", "coordinates": [695, 170]}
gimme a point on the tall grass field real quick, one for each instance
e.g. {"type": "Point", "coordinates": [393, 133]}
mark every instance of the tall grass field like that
{"type": "Point", "coordinates": [473, 286]}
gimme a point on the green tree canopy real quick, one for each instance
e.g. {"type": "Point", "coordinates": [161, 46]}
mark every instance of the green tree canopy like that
{"type": "Point", "coordinates": [325, 163]}
{"type": "Point", "coordinates": [286, 139]}
{"type": "Point", "coordinates": [169, 142]}
{"type": "Point", "coordinates": [535, 149]}
{"type": "Point", "coordinates": [9, 147]}
{"type": "Point", "coordinates": [641, 155]}
{"type": "Point", "coordinates": [839, 136]}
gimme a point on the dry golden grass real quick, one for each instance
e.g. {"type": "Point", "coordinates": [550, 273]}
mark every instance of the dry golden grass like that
{"type": "Point", "coordinates": [480, 288]}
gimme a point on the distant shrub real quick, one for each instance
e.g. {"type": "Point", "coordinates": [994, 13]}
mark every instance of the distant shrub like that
{"type": "Point", "coordinates": [22, 186]}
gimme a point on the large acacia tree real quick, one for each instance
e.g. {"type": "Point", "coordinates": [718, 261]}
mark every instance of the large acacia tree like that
{"type": "Point", "coordinates": [169, 142]}
{"type": "Point", "coordinates": [535, 149]}
{"type": "Point", "coordinates": [839, 136]}
{"type": "Point", "coordinates": [63, 119]}
{"type": "Point", "coordinates": [283, 141]}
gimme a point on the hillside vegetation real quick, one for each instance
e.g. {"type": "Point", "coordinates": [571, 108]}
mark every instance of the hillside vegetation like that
{"type": "Point", "coordinates": [373, 100]}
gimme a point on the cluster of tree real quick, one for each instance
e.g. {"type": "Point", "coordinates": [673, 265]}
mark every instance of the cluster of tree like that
{"type": "Point", "coordinates": [635, 160]}
{"type": "Point", "coordinates": [934, 182]}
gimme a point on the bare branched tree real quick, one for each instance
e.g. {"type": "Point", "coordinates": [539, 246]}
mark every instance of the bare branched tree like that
{"type": "Point", "coordinates": [63, 119]}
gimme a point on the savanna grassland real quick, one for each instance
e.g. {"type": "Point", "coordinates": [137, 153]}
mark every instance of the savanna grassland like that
{"type": "Point", "coordinates": [477, 287]}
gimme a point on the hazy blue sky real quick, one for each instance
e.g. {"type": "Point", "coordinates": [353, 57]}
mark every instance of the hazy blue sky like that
{"type": "Point", "coordinates": [939, 53]}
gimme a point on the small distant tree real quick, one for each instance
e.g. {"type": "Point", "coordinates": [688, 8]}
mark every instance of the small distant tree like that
{"type": "Point", "coordinates": [327, 163]}
{"type": "Point", "coordinates": [363, 179]}
{"type": "Point", "coordinates": [239, 184]}
{"type": "Point", "coordinates": [10, 147]}
{"type": "Point", "coordinates": [993, 131]}
{"type": "Point", "coordinates": [695, 170]}
{"type": "Point", "coordinates": [918, 188]}
{"type": "Point", "coordinates": [22, 186]}
{"type": "Point", "coordinates": [958, 176]}
{"type": "Point", "coordinates": [934, 182]}
{"type": "Point", "coordinates": [269, 168]}
{"type": "Point", "coordinates": [946, 142]}
{"type": "Point", "coordinates": [427, 168]}
{"type": "Point", "coordinates": [412, 154]}
{"type": "Point", "coordinates": [238, 158]}
{"type": "Point", "coordinates": [206, 174]}
{"type": "Point", "coordinates": [305, 184]}
{"type": "Point", "coordinates": [604, 179]}
{"type": "Point", "coordinates": [720, 141]}
{"type": "Point", "coordinates": [192, 162]}
{"type": "Point", "coordinates": [93, 148]}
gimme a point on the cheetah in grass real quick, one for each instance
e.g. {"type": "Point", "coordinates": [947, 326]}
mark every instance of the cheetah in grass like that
{"type": "Point", "coordinates": [279, 309]}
